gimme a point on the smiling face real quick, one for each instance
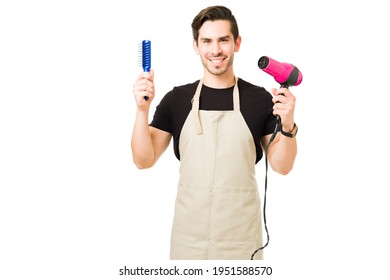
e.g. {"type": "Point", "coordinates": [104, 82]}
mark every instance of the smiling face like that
{"type": "Point", "coordinates": [216, 47]}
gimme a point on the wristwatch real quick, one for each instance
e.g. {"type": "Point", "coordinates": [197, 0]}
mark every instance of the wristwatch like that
{"type": "Point", "coordinates": [292, 134]}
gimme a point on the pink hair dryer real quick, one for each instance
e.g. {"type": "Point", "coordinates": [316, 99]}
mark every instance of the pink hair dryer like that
{"type": "Point", "coordinates": [285, 74]}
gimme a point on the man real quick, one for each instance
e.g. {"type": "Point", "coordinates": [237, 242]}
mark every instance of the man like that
{"type": "Point", "coordinates": [219, 126]}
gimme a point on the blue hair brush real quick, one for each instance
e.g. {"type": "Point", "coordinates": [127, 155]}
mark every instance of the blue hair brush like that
{"type": "Point", "coordinates": [145, 57]}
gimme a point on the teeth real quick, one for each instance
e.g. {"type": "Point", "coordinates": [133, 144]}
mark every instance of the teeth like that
{"type": "Point", "coordinates": [216, 61]}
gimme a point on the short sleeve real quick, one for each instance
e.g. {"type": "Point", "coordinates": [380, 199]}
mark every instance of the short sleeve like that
{"type": "Point", "coordinates": [163, 114]}
{"type": "Point", "coordinates": [270, 121]}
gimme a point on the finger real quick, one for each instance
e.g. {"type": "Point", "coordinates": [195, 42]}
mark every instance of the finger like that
{"type": "Point", "coordinates": [147, 76]}
{"type": "Point", "coordinates": [142, 84]}
{"type": "Point", "coordinates": [279, 98]}
{"type": "Point", "coordinates": [281, 91]}
{"type": "Point", "coordinates": [142, 93]}
{"type": "Point", "coordinates": [286, 92]}
{"type": "Point", "coordinates": [145, 82]}
{"type": "Point", "coordinates": [143, 89]}
{"type": "Point", "coordinates": [144, 75]}
{"type": "Point", "coordinates": [279, 106]}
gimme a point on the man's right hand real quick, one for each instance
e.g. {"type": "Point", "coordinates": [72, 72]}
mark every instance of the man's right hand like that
{"type": "Point", "coordinates": [144, 86]}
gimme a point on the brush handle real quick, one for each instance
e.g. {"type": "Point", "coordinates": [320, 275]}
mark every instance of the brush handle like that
{"type": "Point", "coordinates": [146, 57]}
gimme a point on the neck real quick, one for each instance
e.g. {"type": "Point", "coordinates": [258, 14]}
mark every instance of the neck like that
{"type": "Point", "coordinates": [222, 81]}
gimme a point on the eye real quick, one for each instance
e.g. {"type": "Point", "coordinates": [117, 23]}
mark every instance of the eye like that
{"type": "Point", "coordinates": [224, 40]}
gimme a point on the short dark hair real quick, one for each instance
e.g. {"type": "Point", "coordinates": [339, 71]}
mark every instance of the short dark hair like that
{"type": "Point", "coordinates": [214, 13]}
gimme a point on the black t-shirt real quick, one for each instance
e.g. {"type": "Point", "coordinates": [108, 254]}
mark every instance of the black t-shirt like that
{"type": "Point", "coordinates": [255, 106]}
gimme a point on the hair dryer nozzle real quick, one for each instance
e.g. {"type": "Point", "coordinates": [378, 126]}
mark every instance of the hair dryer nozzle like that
{"type": "Point", "coordinates": [263, 62]}
{"type": "Point", "coordinates": [284, 73]}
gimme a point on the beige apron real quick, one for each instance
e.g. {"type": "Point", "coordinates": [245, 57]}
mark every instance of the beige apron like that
{"type": "Point", "coordinates": [217, 211]}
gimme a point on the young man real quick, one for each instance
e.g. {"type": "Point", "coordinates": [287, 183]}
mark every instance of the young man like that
{"type": "Point", "coordinates": [219, 126]}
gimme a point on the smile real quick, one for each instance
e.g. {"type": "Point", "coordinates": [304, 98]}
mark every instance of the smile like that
{"type": "Point", "coordinates": [217, 61]}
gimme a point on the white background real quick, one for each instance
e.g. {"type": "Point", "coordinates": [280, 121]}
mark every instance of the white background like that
{"type": "Point", "coordinates": [74, 206]}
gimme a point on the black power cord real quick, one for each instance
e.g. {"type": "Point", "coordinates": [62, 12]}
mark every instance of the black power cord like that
{"type": "Point", "coordinates": [277, 129]}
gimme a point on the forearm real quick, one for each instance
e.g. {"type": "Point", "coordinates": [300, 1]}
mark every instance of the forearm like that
{"type": "Point", "coordinates": [282, 154]}
{"type": "Point", "coordinates": [141, 141]}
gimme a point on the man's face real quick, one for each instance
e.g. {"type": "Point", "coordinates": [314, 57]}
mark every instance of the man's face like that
{"type": "Point", "coordinates": [216, 46]}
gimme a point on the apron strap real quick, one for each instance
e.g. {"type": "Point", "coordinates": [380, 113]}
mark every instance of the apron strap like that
{"type": "Point", "coordinates": [195, 108]}
{"type": "Point", "coordinates": [236, 96]}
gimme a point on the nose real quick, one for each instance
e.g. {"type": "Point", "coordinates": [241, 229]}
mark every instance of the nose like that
{"type": "Point", "coordinates": [215, 48]}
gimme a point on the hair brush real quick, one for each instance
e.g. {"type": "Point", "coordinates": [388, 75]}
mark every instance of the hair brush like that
{"type": "Point", "coordinates": [144, 57]}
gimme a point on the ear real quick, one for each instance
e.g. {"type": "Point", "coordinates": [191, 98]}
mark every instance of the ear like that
{"type": "Point", "coordinates": [195, 46]}
{"type": "Point", "coordinates": [238, 44]}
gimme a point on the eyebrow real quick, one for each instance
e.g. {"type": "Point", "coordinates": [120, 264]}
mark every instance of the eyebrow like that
{"type": "Point", "coordinates": [220, 38]}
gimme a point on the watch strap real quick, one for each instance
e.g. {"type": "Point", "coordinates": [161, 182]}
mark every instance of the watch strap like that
{"type": "Point", "coordinates": [291, 134]}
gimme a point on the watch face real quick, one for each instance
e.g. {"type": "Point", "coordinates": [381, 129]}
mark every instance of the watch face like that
{"type": "Point", "coordinates": [295, 129]}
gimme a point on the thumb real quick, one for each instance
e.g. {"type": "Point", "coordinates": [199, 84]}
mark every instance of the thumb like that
{"type": "Point", "coordinates": [151, 72]}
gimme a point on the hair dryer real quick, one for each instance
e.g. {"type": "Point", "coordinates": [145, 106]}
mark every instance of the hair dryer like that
{"type": "Point", "coordinates": [285, 74]}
